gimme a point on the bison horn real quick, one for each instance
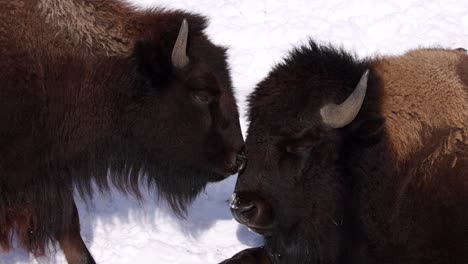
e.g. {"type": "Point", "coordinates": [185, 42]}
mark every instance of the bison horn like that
{"type": "Point", "coordinates": [179, 53]}
{"type": "Point", "coordinates": [337, 116]}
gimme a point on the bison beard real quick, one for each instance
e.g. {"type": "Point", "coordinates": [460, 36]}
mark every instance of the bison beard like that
{"type": "Point", "coordinates": [51, 190]}
{"type": "Point", "coordinates": [128, 169]}
{"type": "Point", "coordinates": [301, 249]}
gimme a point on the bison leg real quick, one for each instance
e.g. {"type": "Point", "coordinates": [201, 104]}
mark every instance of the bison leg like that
{"type": "Point", "coordinates": [72, 244]}
{"type": "Point", "coordinates": [250, 256]}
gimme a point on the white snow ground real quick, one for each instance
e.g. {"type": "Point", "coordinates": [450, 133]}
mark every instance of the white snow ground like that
{"type": "Point", "coordinates": [258, 33]}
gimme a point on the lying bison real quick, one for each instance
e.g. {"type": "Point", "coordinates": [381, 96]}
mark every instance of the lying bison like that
{"type": "Point", "coordinates": [96, 88]}
{"type": "Point", "coordinates": [354, 161]}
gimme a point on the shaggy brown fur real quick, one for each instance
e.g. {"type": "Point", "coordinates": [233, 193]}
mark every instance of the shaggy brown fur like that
{"type": "Point", "coordinates": [410, 113]}
{"type": "Point", "coordinates": [390, 187]}
{"type": "Point", "coordinates": [107, 27]}
{"type": "Point", "coordinates": [102, 27]}
{"type": "Point", "coordinates": [88, 87]}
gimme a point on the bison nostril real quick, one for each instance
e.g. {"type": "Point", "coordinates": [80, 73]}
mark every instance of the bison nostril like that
{"type": "Point", "coordinates": [253, 211]}
{"type": "Point", "coordinates": [244, 213]}
{"type": "Point", "coordinates": [248, 213]}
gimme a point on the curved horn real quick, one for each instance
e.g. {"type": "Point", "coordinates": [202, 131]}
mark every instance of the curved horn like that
{"type": "Point", "coordinates": [338, 116]}
{"type": "Point", "coordinates": [179, 53]}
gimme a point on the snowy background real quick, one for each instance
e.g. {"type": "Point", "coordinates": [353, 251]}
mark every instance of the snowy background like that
{"type": "Point", "coordinates": [258, 33]}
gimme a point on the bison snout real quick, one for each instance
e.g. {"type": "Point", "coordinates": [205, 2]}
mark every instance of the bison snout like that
{"type": "Point", "coordinates": [253, 211]}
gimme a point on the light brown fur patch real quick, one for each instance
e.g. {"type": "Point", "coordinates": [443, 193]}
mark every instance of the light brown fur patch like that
{"type": "Point", "coordinates": [424, 92]}
{"type": "Point", "coordinates": [98, 25]}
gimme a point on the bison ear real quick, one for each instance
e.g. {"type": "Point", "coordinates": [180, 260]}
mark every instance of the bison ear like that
{"type": "Point", "coordinates": [152, 63]}
{"type": "Point", "coordinates": [367, 130]}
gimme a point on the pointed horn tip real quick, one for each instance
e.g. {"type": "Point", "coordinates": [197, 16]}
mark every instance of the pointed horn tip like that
{"type": "Point", "coordinates": [365, 76]}
{"type": "Point", "coordinates": [184, 24]}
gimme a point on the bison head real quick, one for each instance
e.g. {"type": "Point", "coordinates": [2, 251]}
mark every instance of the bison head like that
{"type": "Point", "coordinates": [182, 121]}
{"type": "Point", "coordinates": [292, 190]}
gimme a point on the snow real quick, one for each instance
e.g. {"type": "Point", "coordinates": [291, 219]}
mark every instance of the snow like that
{"type": "Point", "coordinates": [118, 229]}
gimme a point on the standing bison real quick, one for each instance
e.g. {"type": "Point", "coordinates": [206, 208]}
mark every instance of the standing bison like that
{"type": "Point", "coordinates": [91, 88]}
{"type": "Point", "coordinates": [355, 161]}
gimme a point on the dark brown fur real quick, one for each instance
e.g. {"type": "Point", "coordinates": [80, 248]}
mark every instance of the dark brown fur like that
{"type": "Point", "coordinates": [391, 187]}
{"type": "Point", "coordinates": [88, 88]}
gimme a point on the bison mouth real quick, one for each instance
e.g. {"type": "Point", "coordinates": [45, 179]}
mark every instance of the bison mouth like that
{"type": "Point", "coordinates": [265, 232]}
{"type": "Point", "coordinates": [216, 174]}
{"type": "Point", "coordinates": [217, 177]}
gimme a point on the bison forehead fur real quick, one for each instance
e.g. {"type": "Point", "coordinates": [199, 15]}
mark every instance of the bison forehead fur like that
{"type": "Point", "coordinates": [90, 92]}
{"type": "Point", "coordinates": [391, 186]}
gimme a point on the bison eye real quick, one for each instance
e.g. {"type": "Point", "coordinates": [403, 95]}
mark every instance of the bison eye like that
{"type": "Point", "coordinates": [202, 97]}
{"type": "Point", "coordinates": [300, 146]}
{"type": "Point", "coordinates": [297, 149]}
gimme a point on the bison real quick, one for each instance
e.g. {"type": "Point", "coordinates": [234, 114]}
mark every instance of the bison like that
{"type": "Point", "coordinates": [358, 161]}
{"type": "Point", "coordinates": [93, 90]}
